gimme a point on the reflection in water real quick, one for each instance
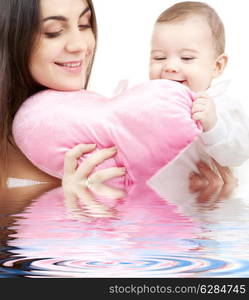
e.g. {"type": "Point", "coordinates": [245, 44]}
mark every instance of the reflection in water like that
{"type": "Point", "coordinates": [12, 203]}
{"type": "Point", "coordinates": [45, 234]}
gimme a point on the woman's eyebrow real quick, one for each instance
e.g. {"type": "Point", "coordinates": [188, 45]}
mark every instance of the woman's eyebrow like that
{"type": "Point", "coordinates": [64, 19]}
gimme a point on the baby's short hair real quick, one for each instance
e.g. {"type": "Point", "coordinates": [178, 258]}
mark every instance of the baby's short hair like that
{"type": "Point", "coordinates": [182, 10]}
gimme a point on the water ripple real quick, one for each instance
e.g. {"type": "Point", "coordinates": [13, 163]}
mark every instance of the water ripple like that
{"type": "Point", "coordinates": [149, 266]}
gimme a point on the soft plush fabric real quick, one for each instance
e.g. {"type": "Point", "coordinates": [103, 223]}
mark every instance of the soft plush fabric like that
{"type": "Point", "coordinates": [150, 124]}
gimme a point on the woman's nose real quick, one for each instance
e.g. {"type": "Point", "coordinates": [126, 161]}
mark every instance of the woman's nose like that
{"type": "Point", "coordinates": [78, 43]}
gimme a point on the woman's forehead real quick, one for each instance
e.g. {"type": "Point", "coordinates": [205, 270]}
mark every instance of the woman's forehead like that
{"type": "Point", "coordinates": [62, 7]}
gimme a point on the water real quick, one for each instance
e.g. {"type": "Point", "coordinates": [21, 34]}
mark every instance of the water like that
{"type": "Point", "coordinates": [45, 235]}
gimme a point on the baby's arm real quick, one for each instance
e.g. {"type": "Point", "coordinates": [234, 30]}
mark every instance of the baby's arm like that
{"type": "Point", "coordinates": [228, 140]}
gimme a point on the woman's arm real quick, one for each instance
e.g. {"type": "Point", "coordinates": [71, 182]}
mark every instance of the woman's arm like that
{"type": "Point", "coordinates": [209, 184]}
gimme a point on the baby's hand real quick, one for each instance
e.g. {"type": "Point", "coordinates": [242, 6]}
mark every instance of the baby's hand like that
{"type": "Point", "coordinates": [203, 110]}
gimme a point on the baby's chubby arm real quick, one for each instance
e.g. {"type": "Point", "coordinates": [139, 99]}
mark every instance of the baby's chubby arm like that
{"type": "Point", "coordinates": [204, 111]}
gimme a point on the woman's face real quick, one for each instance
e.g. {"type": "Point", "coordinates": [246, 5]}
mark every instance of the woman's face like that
{"type": "Point", "coordinates": [63, 53]}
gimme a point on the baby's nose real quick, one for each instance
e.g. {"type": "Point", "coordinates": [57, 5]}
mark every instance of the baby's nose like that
{"type": "Point", "coordinates": [171, 67]}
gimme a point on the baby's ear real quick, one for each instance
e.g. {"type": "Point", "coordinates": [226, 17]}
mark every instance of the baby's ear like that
{"type": "Point", "coordinates": [220, 64]}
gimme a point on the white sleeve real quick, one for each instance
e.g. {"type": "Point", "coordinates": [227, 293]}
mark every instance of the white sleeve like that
{"type": "Point", "coordinates": [228, 141]}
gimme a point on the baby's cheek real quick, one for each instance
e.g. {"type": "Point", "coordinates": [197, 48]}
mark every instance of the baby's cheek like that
{"type": "Point", "coordinates": [155, 72]}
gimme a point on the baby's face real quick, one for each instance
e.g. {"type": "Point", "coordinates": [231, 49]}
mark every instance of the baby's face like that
{"type": "Point", "coordinates": [184, 51]}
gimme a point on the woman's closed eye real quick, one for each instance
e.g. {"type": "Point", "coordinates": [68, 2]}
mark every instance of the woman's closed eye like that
{"type": "Point", "coordinates": [57, 33]}
{"type": "Point", "coordinates": [85, 26]}
{"type": "Point", "coordinates": [54, 33]}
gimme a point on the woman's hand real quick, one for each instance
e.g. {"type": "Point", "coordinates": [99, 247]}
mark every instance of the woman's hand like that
{"type": "Point", "coordinates": [80, 183]}
{"type": "Point", "coordinates": [210, 184]}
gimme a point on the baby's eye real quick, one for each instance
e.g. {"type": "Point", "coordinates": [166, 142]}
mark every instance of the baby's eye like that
{"type": "Point", "coordinates": [187, 58]}
{"type": "Point", "coordinates": [159, 58]}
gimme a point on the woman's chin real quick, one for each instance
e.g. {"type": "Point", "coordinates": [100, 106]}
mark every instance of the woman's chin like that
{"type": "Point", "coordinates": [68, 86]}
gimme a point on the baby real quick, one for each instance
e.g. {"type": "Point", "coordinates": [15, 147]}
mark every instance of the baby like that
{"type": "Point", "coordinates": [188, 45]}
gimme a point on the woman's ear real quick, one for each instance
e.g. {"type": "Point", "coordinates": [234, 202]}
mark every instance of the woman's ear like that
{"type": "Point", "coordinates": [220, 64]}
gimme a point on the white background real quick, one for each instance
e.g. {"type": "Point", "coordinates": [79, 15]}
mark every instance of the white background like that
{"type": "Point", "coordinates": [125, 28]}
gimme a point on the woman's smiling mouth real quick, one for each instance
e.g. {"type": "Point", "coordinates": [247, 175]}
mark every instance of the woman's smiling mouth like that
{"type": "Point", "coordinates": [74, 67]}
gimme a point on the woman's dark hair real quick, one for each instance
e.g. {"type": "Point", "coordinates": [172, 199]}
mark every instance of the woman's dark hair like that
{"type": "Point", "coordinates": [19, 27]}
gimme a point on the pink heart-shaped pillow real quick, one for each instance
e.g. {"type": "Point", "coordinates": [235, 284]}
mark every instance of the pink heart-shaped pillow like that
{"type": "Point", "coordinates": [150, 124]}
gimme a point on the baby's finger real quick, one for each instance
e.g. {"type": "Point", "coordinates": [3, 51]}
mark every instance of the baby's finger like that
{"type": "Point", "coordinates": [198, 116]}
{"type": "Point", "coordinates": [198, 108]}
{"type": "Point", "coordinates": [202, 101]}
{"type": "Point", "coordinates": [106, 174]}
{"type": "Point", "coordinates": [201, 95]}
{"type": "Point", "coordinates": [93, 160]}
{"type": "Point", "coordinates": [72, 155]}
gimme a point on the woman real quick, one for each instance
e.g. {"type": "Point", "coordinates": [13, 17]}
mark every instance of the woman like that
{"type": "Point", "coordinates": [48, 44]}
{"type": "Point", "coordinates": [43, 44]}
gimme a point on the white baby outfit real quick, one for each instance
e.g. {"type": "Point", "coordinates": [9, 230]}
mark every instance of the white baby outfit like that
{"type": "Point", "coordinates": [227, 143]}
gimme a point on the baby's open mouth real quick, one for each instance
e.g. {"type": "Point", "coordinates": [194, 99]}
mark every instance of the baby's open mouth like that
{"type": "Point", "coordinates": [180, 81]}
